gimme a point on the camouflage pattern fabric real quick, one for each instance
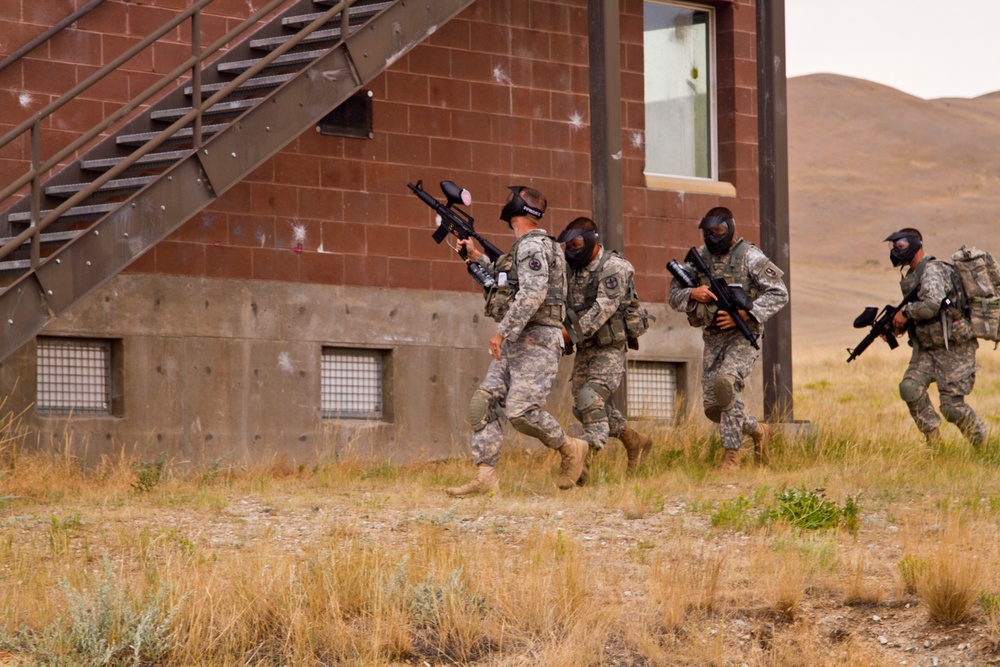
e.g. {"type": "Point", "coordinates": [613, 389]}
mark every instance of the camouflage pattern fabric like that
{"type": "Point", "coordinates": [603, 366]}
{"type": "Point", "coordinates": [727, 352]}
{"type": "Point", "coordinates": [596, 293]}
{"type": "Point", "coordinates": [953, 369]}
{"type": "Point", "coordinates": [938, 281]}
{"type": "Point", "coordinates": [540, 284]}
{"type": "Point", "coordinates": [520, 382]}
{"type": "Point", "coordinates": [611, 292]}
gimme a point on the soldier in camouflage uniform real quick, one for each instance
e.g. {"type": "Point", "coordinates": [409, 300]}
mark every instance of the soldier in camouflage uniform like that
{"type": "Point", "coordinates": [944, 347]}
{"type": "Point", "coordinates": [600, 286]}
{"type": "Point", "coordinates": [728, 356]}
{"type": "Point", "coordinates": [528, 301]}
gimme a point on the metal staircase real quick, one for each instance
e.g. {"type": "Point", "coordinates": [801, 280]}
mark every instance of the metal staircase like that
{"type": "Point", "coordinates": [79, 228]}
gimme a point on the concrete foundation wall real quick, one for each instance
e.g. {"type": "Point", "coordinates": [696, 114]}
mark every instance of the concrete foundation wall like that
{"type": "Point", "coordinates": [231, 369]}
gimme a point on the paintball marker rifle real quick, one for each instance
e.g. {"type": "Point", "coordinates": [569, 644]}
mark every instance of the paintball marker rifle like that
{"type": "Point", "coordinates": [729, 298]}
{"type": "Point", "coordinates": [453, 220]}
{"type": "Point", "coordinates": [880, 323]}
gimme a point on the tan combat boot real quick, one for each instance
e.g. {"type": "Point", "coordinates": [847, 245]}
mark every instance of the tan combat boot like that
{"type": "Point", "coordinates": [585, 474]}
{"type": "Point", "coordinates": [485, 483]}
{"type": "Point", "coordinates": [637, 447]}
{"type": "Point", "coordinates": [762, 436]}
{"type": "Point", "coordinates": [574, 456]}
{"type": "Point", "coordinates": [933, 437]}
{"type": "Point", "coordinates": [730, 460]}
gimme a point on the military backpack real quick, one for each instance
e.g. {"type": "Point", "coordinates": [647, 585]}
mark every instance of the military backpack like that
{"type": "Point", "coordinates": [980, 276]}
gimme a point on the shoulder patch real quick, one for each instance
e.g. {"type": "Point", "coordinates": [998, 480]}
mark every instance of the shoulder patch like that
{"type": "Point", "coordinates": [535, 264]}
{"type": "Point", "coordinates": [611, 283]}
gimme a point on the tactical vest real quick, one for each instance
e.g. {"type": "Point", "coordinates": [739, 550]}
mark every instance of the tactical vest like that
{"type": "Point", "coordinates": [731, 271]}
{"type": "Point", "coordinates": [613, 331]}
{"type": "Point", "coordinates": [929, 334]}
{"type": "Point", "coordinates": [500, 298]}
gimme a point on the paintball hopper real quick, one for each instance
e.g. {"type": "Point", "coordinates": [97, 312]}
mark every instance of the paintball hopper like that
{"type": "Point", "coordinates": [866, 318]}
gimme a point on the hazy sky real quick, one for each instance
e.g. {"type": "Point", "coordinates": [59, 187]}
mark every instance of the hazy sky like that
{"type": "Point", "coordinates": [921, 47]}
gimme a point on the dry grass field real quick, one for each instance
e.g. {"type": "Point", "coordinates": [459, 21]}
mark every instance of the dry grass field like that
{"type": "Point", "coordinates": [858, 546]}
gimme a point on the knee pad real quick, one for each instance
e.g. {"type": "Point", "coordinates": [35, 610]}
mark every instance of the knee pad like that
{"type": "Point", "coordinates": [527, 424]}
{"type": "Point", "coordinates": [714, 412]}
{"type": "Point", "coordinates": [590, 404]}
{"type": "Point", "coordinates": [910, 391]}
{"type": "Point", "coordinates": [952, 408]}
{"type": "Point", "coordinates": [725, 392]}
{"type": "Point", "coordinates": [482, 410]}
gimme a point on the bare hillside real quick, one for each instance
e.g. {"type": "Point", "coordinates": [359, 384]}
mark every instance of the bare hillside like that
{"type": "Point", "coordinates": [866, 160]}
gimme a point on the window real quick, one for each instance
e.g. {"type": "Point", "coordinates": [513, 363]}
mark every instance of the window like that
{"type": "Point", "coordinates": [353, 118]}
{"type": "Point", "coordinates": [77, 376]}
{"type": "Point", "coordinates": [679, 74]}
{"type": "Point", "coordinates": [652, 390]}
{"type": "Point", "coordinates": [352, 383]}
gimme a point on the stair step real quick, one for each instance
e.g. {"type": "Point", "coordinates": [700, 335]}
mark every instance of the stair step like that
{"type": "Point", "coordinates": [222, 108]}
{"type": "Point", "coordinates": [358, 11]}
{"type": "Point", "coordinates": [115, 185]}
{"type": "Point", "coordinates": [271, 43]}
{"type": "Point", "coordinates": [15, 265]}
{"type": "Point", "coordinates": [256, 83]}
{"type": "Point", "coordinates": [287, 60]}
{"type": "Point", "coordinates": [47, 237]}
{"type": "Point", "coordinates": [184, 134]}
{"type": "Point", "coordinates": [148, 160]}
{"type": "Point", "coordinates": [75, 212]}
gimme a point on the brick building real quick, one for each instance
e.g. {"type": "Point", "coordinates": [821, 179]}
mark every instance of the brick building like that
{"type": "Point", "coordinates": [305, 311]}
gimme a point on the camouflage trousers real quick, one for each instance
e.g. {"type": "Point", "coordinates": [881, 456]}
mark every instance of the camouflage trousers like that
{"type": "Point", "coordinates": [954, 371]}
{"type": "Point", "coordinates": [519, 384]}
{"type": "Point", "coordinates": [603, 369]}
{"type": "Point", "coordinates": [727, 361]}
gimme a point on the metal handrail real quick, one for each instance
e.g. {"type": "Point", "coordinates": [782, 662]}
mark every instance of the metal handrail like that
{"type": "Point", "coordinates": [195, 114]}
{"type": "Point", "coordinates": [49, 34]}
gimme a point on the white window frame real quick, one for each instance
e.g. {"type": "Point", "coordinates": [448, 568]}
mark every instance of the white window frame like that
{"type": "Point", "coordinates": [683, 182]}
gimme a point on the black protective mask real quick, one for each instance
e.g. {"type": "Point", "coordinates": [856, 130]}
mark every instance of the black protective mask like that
{"type": "Point", "coordinates": [516, 206]}
{"type": "Point", "coordinates": [903, 256]}
{"type": "Point", "coordinates": [718, 244]}
{"type": "Point", "coordinates": [578, 258]}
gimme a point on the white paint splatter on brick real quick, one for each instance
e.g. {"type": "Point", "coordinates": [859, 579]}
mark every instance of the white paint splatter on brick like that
{"type": "Point", "coordinates": [262, 237]}
{"type": "Point", "coordinates": [500, 76]}
{"type": "Point", "coordinates": [637, 140]}
{"type": "Point", "coordinates": [576, 120]}
{"type": "Point", "coordinates": [25, 100]}
{"type": "Point", "coordinates": [299, 233]}
{"type": "Point", "coordinates": [617, 156]}
{"type": "Point", "coordinates": [285, 362]}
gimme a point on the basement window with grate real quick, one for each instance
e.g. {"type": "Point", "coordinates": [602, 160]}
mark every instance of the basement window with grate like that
{"type": "Point", "coordinates": [353, 118]}
{"type": "Point", "coordinates": [353, 383]}
{"type": "Point", "coordinates": [652, 390]}
{"type": "Point", "coordinates": [79, 376]}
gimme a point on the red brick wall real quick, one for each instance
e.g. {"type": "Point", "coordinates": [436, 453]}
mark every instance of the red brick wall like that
{"type": "Point", "coordinates": [495, 97]}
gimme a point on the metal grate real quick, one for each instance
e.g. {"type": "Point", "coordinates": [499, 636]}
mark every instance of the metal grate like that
{"type": "Point", "coordinates": [652, 390]}
{"type": "Point", "coordinates": [351, 383]}
{"type": "Point", "coordinates": [74, 376]}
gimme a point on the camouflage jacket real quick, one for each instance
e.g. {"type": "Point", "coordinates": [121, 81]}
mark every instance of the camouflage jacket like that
{"type": "Point", "coordinates": [938, 305]}
{"type": "Point", "coordinates": [531, 285]}
{"type": "Point", "coordinates": [745, 264]}
{"type": "Point", "coordinates": [597, 294]}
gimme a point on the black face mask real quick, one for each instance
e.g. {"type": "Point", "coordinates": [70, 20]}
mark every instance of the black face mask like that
{"type": "Point", "coordinates": [516, 206]}
{"type": "Point", "coordinates": [580, 257]}
{"type": "Point", "coordinates": [903, 256]}
{"type": "Point", "coordinates": [719, 244]}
